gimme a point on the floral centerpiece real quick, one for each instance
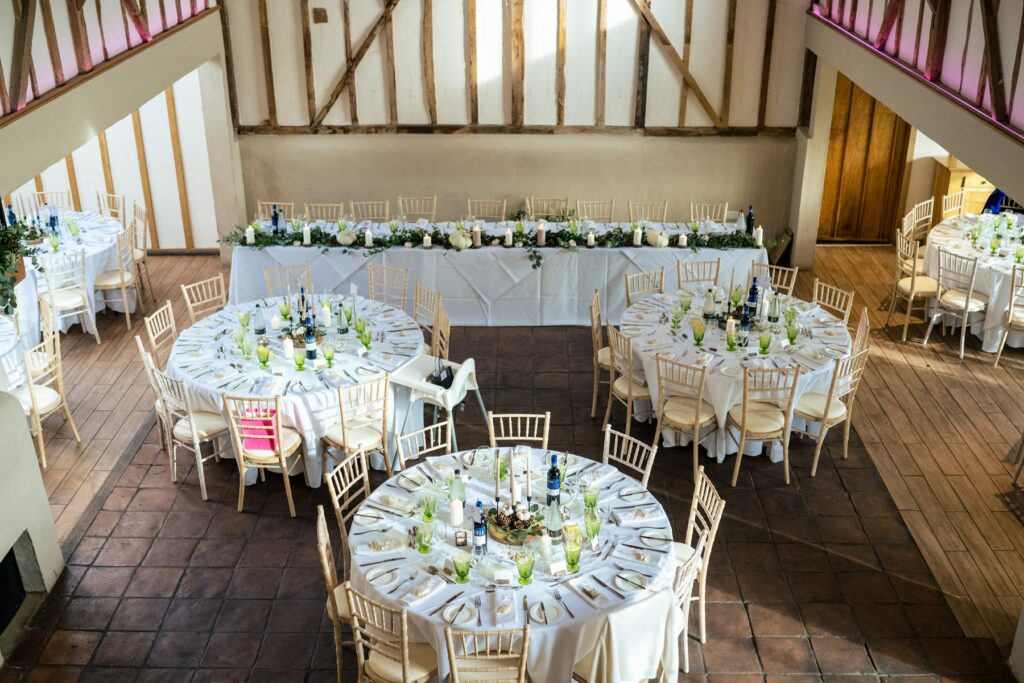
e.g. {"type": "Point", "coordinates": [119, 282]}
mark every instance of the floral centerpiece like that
{"type": "Point", "coordinates": [298, 334]}
{"type": "Point", "coordinates": [13, 250]}
{"type": "Point", "coordinates": [514, 524]}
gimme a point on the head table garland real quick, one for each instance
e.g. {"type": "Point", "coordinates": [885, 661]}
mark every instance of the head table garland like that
{"type": "Point", "coordinates": [563, 235]}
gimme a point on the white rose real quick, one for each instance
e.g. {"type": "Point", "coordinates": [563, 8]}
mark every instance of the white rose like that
{"type": "Point", "coordinates": [656, 238]}
{"type": "Point", "coordinates": [346, 237]}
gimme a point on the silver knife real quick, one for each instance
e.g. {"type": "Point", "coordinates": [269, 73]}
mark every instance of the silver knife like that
{"type": "Point", "coordinates": [609, 588]}
{"type": "Point", "coordinates": [526, 609]}
{"type": "Point", "coordinates": [446, 603]}
{"type": "Point", "coordinates": [543, 612]}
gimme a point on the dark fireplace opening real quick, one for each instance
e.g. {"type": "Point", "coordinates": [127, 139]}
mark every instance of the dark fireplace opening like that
{"type": "Point", "coordinates": [12, 590]}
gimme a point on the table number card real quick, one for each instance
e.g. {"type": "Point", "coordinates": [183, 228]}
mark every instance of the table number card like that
{"type": "Point", "coordinates": [557, 568]}
{"type": "Point", "coordinates": [461, 538]}
{"type": "Point", "coordinates": [503, 577]}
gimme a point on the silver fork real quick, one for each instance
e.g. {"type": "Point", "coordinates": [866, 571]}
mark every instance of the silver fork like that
{"type": "Point", "coordinates": [476, 603]}
{"type": "Point", "coordinates": [558, 596]}
{"type": "Point", "coordinates": [402, 583]}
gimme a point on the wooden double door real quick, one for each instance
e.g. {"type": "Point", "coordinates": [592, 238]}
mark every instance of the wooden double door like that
{"type": "Point", "coordinates": [867, 156]}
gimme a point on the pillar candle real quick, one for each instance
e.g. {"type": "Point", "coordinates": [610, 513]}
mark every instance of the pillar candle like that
{"type": "Point", "coordinates": [682, 240]}
{"type": "Point", "coordinates": [730, 325]}
{"type": "Point", "coordinates": [508, 237]}
{"type": "Point", "coordinates": [529, 485]}
{"type": "Point", "coordinates": [289, 348]}
{"type": "Point", "coordinates": [541, 235]}
{"type": "Point", "coordinates": [590, 238]}
{"type": "Point", "coordinates": [275, 322]}
{"type": "Point", "coordinates": [426, 240]}
{"type": "Point", "coordinates": [759, 236]}
{"type": "Point", "coordinates": [638, 237]}
{"type": "Point", "coordinates": [476, 235]}
{"type": "Point", "coordinates": [250, 235]}
{"type": "Point", "coordinates": [325, 314]}
{"type": "Point", "coordinates": [368, 238]}
{"type": "Point", "coordinates": [513, 487]}
{"type": "Point", "coordinates": [307, 238]}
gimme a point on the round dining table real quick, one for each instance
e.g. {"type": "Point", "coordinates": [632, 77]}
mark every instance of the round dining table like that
{"type": "Point", "coordinates": [624, 579]}
{"type": "Point", "coordinates": [994, 273]}
{"type": "Point", "coordinates": [823, 339]}
{"type": "Point", "coordinates": [210, 361]}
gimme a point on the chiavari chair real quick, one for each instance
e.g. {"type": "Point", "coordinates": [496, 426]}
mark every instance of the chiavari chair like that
{"type": "Point", "coordinates": [414, 208]}
{"type": "Point", "coordinates": [602, 354]}
{"type": "Point", "coordinates": [425, 302]}
{"type": "Point", "coordinates": [265, 210]}
{"type": "Point", "coordinates": [43, 393]}
{"type": "Point", "coordinates": [656, 212]}
{"type": "Point", "coordinates": [383, 651]}
{"type": "Point", "coordinates": [60, 199]}
{"type": "Point", "coordinates": [122, 278]}
{"type": "Point", "coordinates": [923, 218]}
{"type": "Point", "coordinates": [832, 299]}
{"type": "Point", "coordinates": [440, 339]}
{"type": "Point", "coordinates": [66, 291]}
{"type": "Point", "coordinates": [348, 485]}
{"type": "Point", "coordinates": [488, 655]}
{"type": "Point", "coordinates": [363, 424]}
{"type": "Point", "coordinates": [706, 510]}
{"type": "Point", "coordinates": [953, 204]}
{"type": "Point", "coordinates": [161, 332]}
{"type": "Point", "coordinates": [646, 282]}
{"type": "Point", "coordinates": [625, 387]}
{"type": "Point", "coordinates": [702, 273]}
{"type": "Point", "coordinates": [111, 205]}
{"type": "Point", "coordinates": [435, 438]}
{"type": "Point", "coordinates": [25, 204]}
{"type": "Point", "coordinates": [1014, 319]}
{"type": "Point", "coordinates": [140, 248]}
{"type": "Point", "coordinates": [375, 211]}
{"type": "Point", "coordinates": [765, 413]}
{"type": "Point", "coordinates": [955, 296]}
{"type": "Point", "coordinates": [204, 297]}
{"type": "Point", "coordinates": [909, 284]}
{"type": "Point", "coordinates": [780, 278]}
{"type": "Point", "coordinates": [862, 336]}
{"type": "Point", "coordinates": [388, 284]}
{"type": "Point", "coordinates": [285, 280]}
{"type": "Point", "coordinates": [598, 210]}
{"type": "Point", "coordinates": [682, 588]}
{"type": "Point", "coordinates": [681, 404]}
{"type": "Point", "coordinates": [629, 452]}
{"type": "Point", "coordinates": [164, 423]}
{"type": "Point", "coordinates": [518, 428]}
{"type": "Point", "coordinates": [337, 599]}
{"type": "Point", "coordinates": [547, 208]}
{"type": "Point", "coordinates": [486, 209]}
{"type": "Point", "coordinates": [328, 213]}
{"type": "Point", "coordinates": [709, 211]}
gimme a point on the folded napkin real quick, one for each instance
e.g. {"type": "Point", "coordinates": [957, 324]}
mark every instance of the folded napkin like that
{"type": "Point", "coordinates": [638, 516]}
{"type": "Point", "coordinates": [383, 545]}
{"type": "Point", "coordinates": [637, 555]}
{"type": "Point", "coordinates": [589, 591]}
{"type": "Point", "coordinates": [596, 476]}
{"type": "Point", "coordinates": [397, 503]}
{"type": "Point", "coordinates": [423, 590]}
{"type": "Point", "coordinates": [504, 606]}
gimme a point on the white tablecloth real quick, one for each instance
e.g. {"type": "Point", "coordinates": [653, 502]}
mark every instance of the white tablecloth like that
{"type": "Point", "coordinates": [207, 358]}
{"type": "Point", "coordinates": [493, 285]}
{"type": "Point", "coordinates": [823, 340]}
{"type": "Point", "coordinates": [555, 647]}
{"type": "Point", "coordinates": [994, 273]}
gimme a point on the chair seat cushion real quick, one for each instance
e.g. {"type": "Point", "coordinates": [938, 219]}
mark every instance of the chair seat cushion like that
{"type": "Point", "coordinates": [681, 551]}
{"type": "Point", "coordinates": [110, 279]}
{"type": "Point", "coordinates": [923, 286]}
{"type": "Point", "coordinates": [342, 599]}
{"type": "Point", "coordinates": [65, 299]}
{"type": "Point", "coordinates": [208, 425]}
{"type": "Point", "coordinates": [290, 441]}
{"type": "Point", "coordinates": [422, 665]}
{"type": "Point", "coordinates": [138, 255]}
{"type": "Point", "coordinates": [621, 387]}
{"type": "Point", "coordinates": [1017, 318]}
{"type": "Point", "coordinates": [763, 418]}
{"type": "Point", "coordinates": [604, 357]}
{"type": "Point", "coordinates": [46, 398]}
{"type": "Point", "coordinates": [361, 437]}
{"type": "Point", "coordinates": [954, 298]}
{"type": "Point", "coordinates": [683, 410]}
{"type": "Point", "coordinates": [812, 404]}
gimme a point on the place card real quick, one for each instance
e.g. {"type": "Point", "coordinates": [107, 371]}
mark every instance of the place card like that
{"type": "Point", "coordinates": [503, 577]}
{"type": "Point", "coordinates": [557, 568]}
{"type": "Point", "coordinates": [461, 538]}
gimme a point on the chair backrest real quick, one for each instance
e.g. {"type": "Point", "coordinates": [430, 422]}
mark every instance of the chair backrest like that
{"type": "Point", "coordinates": [161, 331]}
{"type": "Point", "coordinates": [126, 254]}
{"type": "Point", "coordinates": [364, 405]}
{"type": "Point", "coordinates": [923, 217]}
{"type": "Point", "coordinates": [173, 393]}
{"type": "Point", "coordinates": [621, 349]}
{"type": "Point", "coordinates": [348, 485]}
{"type": "Point", "coordinates": [599, 210]}
{"type": "Point", "coordinates": [703, 273]}
{"type": "Point", "coordinates": [779, 278]}
{"type": "Point", "coordinates": [380, 630]}
{"type": "Point", "coordinates": [863, 335]}
{"type": "Point", "coordinates": [686, 574]}
{"type": "Point", "coordinates": [327, 566]}
{"type": "Point", "coordinates": [286, 280]}
{"type": "Point", "coordinates": [518, 427]}
{"type": "Point", "coordinates": [646, 282]}
{"type": "Point", "coordinates": [490, 655]}
{"type": "Point", "coordinates": [25, 204]}
{"type": "Point", "coordinates": [766, 390]}
{"type": "Point", "coordinates": [255, 424]}
{"type": "Point", "coordinates": [709, 211]}
{"type": "Point", "coordinates": [679, 379]}
{"type": "Point", "coordinates": [328, 213]}
{"type": "Point", "coordinates": [596, 328]}
{"type": "Point", "coordinates": [907, 225]}
{"type": "Point", "coordinates": [140, 227]}
{"type": "Point", "coordinates": [706, 509]}
{"type": "Point", "coordinates": [656, 212]}
{"type": "Point", "coordinates": [204, 297]}
{"type": "Point", "coordinates": [60, 199]}
{"type": "Point", "coordinates": [548, 208]}
{"type": "Point", "coordinates": [953, 204]}
{"type": "Point", "coordinates": [425, 302]}
{"type": "Point", "coordinates": [149, 366]}
{"type": "Point", "coordinates": [43, 365]}
{"type": "Point", "coordinates": [111, 205]}
{"type": "Point", "coordinates": [435, 438]}
{"type": "Point", "coordinates": [414, 208]}
{"type": "Point", "coordinates": [629, 452]}
{"type": "Point", "coordinates": [838, 302]}
{"type": "Point", "coordinates": [265, 210]}
{"type": "Point", "coordinates": [956, 272]}
{"type": "Point", "coordinates": [1011, 204]}
{"type": "Point", "coordinates": [388, 284]}
{"type": "Point", "coordinates": [377, 211]}
{"type": "Point", "coordinates": [486, 209]}
{"type": "Point", "coordinates": [441, 335]}
{"type": "Point", "coordinates": [907, 250]}
{"type": "Point", "coordinates": [63, 271]}
{"type": "Point", "coordinates": [846, 375]}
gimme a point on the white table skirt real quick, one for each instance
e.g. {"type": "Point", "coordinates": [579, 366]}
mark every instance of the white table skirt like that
{"type": "Point", "coordinates": [492, 285]}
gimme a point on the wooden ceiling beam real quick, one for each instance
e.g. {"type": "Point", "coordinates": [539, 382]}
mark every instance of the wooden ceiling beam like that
{"type": "Point", "coordinates": [22, 52]}
{"type": "Point", "coordinates": [385, 15]}
{"type": "Point", "coordinates": [990, 23]}
{"type": "Point", "coordinates": [892, 13]}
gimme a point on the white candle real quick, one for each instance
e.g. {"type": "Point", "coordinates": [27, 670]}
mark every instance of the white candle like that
{"type": "Point", "coordinates": [426, 240]}
{"type": "Point", "coordinates": [476, 235]}
{"type": "Point", "coordinates": [514, 489]}
{"type": "Point", "coordinates": [250, 235]}
{"type": "Point", "coordinates": [638, 237]}
{"type": "Point", "coordinates": [529, 486]}
{"type": "Point", "coordinates": [682, 240]}
{"type": "Point", "coordinates": [759, 236]}
{"type": "Point", "coordinates": [730, 325]}
{"type": "Point", "coordinates": [541, 235]}
{"type": "Point", "coordinates": [508, 237]}
{"type": "Point", "coordinates": [368, 238]}
{"type": "Point", "coordinates": [455, 514]}
{"type": "Point", "coordinates": [325, 315]}
{"type": "Point", "coordinates": [289, 348]}
{"type": "Point", "coordinates": [590, 238]}
{"type": "Point", "coordinates": [275, 322]}
{"type": "Point", "coordinates": [307, 238]}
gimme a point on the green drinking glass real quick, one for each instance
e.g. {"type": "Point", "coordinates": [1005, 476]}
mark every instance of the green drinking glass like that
{"type": "Point", "coordinates": [462, 561]}
{"type": "Point", "coordinates": [1019, 254]}
{"type": "Point", "coordinates": [300, 359]}
{"type": "Point", "coordinates": [699, 329]}
{"type": "Point", "coordinates": [792, 332]}
{"type": "Point", "coordinates": [765, 341]}
{"type": "Point", "coordinates": [73, 227]}
{"type": "Point", "coordinates": [591, 524]}
{"type": "Point", "coordinates": [284, 309]}
{"type": "Point", "coordinates": [730, 340]}
{"type": "Point", "coordinates": [685, 302]}
{"type": "Point", "coordinates": [524, 564]}
{"type": "Point", "coordinates": [424, 535]}
{"type": "Point", "coordinates": [246, 347]}
{"type": "Point", "coordinates": [572, 548]}
{"type": "Point", "coordinates": [243, 319]}
{"type": "Point", "coordinates": [328, 351]}
{"type": "Point", "coordinates": [589, 497]}
{"type": "Point", "coordinates": [263, 355]}
{"type": "Point", "coordinates": [54, 242]}
{"type": "Point", "coordinates": [429, 503]}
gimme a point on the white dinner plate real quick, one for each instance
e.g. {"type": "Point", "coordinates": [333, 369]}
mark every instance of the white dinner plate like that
{"type": "Point", "coordinates": [732, 371]}
{"type": "Point", "coordinates": [835, 353]}
{"type": "Point", "coordinates": [630, 581]}
{"type": "Point", "coordinates": [655, 539]}
{"type": "Point", "coordinates": [382, 576]}
{"type": "Point", "coordinates": [826, 320]}
{"type": "Point", "coordinates": [633, 493]}
{"type": "Point", "coordinates": [552, 610]}
{"type": "Point", "coordinates": [467, 614]}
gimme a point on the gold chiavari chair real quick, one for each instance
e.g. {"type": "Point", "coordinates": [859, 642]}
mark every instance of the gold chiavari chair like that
{"type": "Point", "coordinates": [286, 280]}
{"type": "Point", "coordinates": [435, 438]}
{"type": "Point", "coordinates": [59, 199]}
{"type": "Point", "coordinates": [629, 452]}
{"type": "Point", "coordinates": [486, 209]}
{"type": "Point", "coordinates": [43, 393]}
{"type": "Point", "coordinates": [547, 208]}
{"type": "Point", "coordinates": [66, 291]}
{"type": "Point", "coordinates": [261, 443]}
{"type": "Point", "coordinates": [490, 655]}
{"type": "Point", "coordinates": [425, 302]}
{"type": "Point", "coordinates": [706, 510]}
{"type": "Point", "coordinates": [337, 600]}
{"type": "Point", "coordinates": [953, 204]}
{"type": "Point", "coordinates": [597, 210]}
{"type": "Point", "coordinates": [834, 407]}
{"type": "Point", "coordinates": [955, 296]}
{"type": "Point", "coordinates": [265, 209]}
{"type": "Point", "coordinates": [328, 213]}
{"type": "Point", "coordinates": [646, 282]}
{"type": "Point", "coordinates": [656, 212]}
{"type": "Point", "coordinates": [25, 204]}
{"type": "Point", "coordinates": [1014, 319]}
{"type": "Point", "coordinates": [140, 248]}
{"type": "Point", "coordinates": [765, 413]}
{"type": "Point", "coordinates": [682, 588]}
{"type": "Point", "coordinates": [709, 211]}
{"type": "Point", "coordinates": [162, 332]}
{"type": "Point", "coordinates": [681, 404]}
{"type": "Point", "coordinates": [414, 208]}
{"type": "Point", "coordinates": [383, 651]}
{"type": "Point", "coordinates": [518, 428]}
{"type": "Point", "coordinates": [363, 425]}
{"type": "Point", "coordinates": [440, 339]}
{"type": "Point", "coordinates": [204, 297]}
{"type": "Point", "coordinates": [779, 278]}
{"type": "Point", "coordinates": [348, 485]}
{"type": "Point", "coordinates": [376, 211]}
{"type": "Point", "coordinates": [626, 388]}
{"type": "Point", "coordinates": [702, 273]}
{"type": "Point", "coordinates": [909, 284]}
{"type": "Point", "coordinates": [122, 278]}
{"type": "Point", "coordinates": [923, 218]}
{"type": "Point", "coordinates": [862, 336]}
{"type": "Point", "coordinates": [111, 205]}
{"type": "Point", "coordinates": [838, 302]}
{"type": "Point", "coordinates": [602, 354]}
{"type": "Point", "coordinates": [164, 423]}
{"type": "Point", "coordinates": [388, 284]}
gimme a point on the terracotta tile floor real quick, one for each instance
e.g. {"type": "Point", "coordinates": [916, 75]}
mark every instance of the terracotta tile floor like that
{"type": "Point", "coordinates": [817, 581]}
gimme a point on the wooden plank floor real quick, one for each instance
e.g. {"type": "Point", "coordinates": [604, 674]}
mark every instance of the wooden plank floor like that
{"type": "Point", "coordinates": [938, 429]}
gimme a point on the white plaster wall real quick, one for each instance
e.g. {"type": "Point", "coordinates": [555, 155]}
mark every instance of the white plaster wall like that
{"type": "Point", "coordinates": [920, 180]}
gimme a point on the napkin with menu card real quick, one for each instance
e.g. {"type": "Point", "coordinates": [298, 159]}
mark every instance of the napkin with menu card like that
{"type": "Point", "coordinates": [638, 516]}
{"type": "Point", "coordinates": [381, 545]}
{"type": "Point", "coordinates": [423, 590]}
{"type": "Point", "coordinates": [505, 607]}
